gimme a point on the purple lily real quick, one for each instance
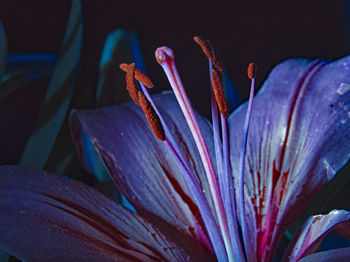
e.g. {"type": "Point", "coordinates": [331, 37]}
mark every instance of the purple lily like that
{"type": "Point", "coordinates": [202, 192]}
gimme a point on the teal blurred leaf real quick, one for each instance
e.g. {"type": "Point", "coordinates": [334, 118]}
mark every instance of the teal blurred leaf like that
{"type": "Point", "coordinates": [21, 69]}
{"type": "Point", "coordinates": [120, 47]}
{"type": "Point", "coordinates": [44, 64]}
{"type": "Point", "coordinates": [136, 51]}
{"type": "Point", "coordinates": [4, 257]}
{"type": "Point", "coordinates": [3, 49]}
{"type": "Point", "coordinates": [11, 83]}
{"type": "Point", "coordinates": [126, 203]}
{"type": "Point", "coordinates": [58, 95]}
{"type": "Point", "coordinates": [93, 161]}
{"type": "Point", "coordinates": [230, 93]}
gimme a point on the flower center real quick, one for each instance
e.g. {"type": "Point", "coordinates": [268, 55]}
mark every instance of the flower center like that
{"type": "Point", "coordinates": [223, 234]}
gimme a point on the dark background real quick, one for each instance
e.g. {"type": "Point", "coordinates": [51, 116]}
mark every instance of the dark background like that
{"type": "Point", "coordinates": [266, 33]}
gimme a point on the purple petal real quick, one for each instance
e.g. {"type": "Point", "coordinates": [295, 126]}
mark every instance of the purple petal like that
{"type": "Point", "coordinates": [334, 255]}
{"type": "Point", "coordinates": [299, 138]}
{"type": "Point", "coordinates": [315, 230]}
{"type": "Point", "coordinates": [141, 166]}
{"type": "Point", "coordinates": [48, 218]}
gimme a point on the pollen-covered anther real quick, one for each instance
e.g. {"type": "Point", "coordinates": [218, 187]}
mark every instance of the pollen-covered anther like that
{"type": "Point", "coordinates": [131, 84]}
{"type": "Point", "coordinates": [164, 55]}
{"type": "Point", "coordinates": [219, 94]}
{"type": "Point", "coordinates": [251, 71]}
{"type": "Point", "coordinates": [210, 52]}
{"type": "Point", "coordinates": [152, 117]}
{"type": "Point", "coordinates": [138, 75]}
{"type": "Point", "coordinates": [124, 67]}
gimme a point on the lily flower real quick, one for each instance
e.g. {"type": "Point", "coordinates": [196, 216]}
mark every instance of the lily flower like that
{"type": "Point", "coordinates": [225, 191]}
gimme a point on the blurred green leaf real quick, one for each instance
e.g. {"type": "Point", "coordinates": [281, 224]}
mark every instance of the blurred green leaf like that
{"type": "Point", "coordinates": [13, 82]}
{"type": "Point", "coordinates": [58, 95]}
{"type": "Point", "coordinates": [62, 159]}
{"type": "Point", "coordinates": [21, 69]}
{"type": "Point", "coordinates": [44, 64]}
{"type": "Point", "coordinates": [136, 51]}
{"type": "Point", "coordinates": [120, 47]}
{"type": "Point", "coordinates": [4, 257]}
{"type": "Point", "coordinates": [230, 93]}
{"type": "Point", "coordinates": [3, 49]}
{"type": "Point", "coordinates": [93, 161]}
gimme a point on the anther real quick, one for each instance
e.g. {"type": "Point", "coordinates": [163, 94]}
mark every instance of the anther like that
{"type": "Point", "coordinates": [210, 52]}
{"type": "Point", "coordinates": [152, 117]}
{"type": "Point", "coordinates": [124, 67]}
{"type": "Point", "coordinates": [138, 75]}
{"type": "Point", "coordinates": [219, 94]}
{"type": "Point", "coordinates": [131, 85]}
{"type": "Point", "coordinates": [251, 71]}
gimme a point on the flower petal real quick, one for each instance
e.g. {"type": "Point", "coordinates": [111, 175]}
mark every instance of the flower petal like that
{"type": "Point", "coordinates": [72, 222]}
{"type": "Point", "coordinates": [141, 166]}
{"type": "Point", "coordinates": [334, 255]}
{"type": "Point", "coordinates": [315, 230]}
{"type": "Point", "coordinates": [298, 139]}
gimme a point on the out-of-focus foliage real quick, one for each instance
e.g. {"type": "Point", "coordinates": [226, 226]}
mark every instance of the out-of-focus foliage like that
{"type": "Point", "coordinates": [3, 49]}
{"type": "Point", "coordinates": [120, 47]}
{"type": "Point", "coordinates": [58, 95]}
{"type": "Point", "coordinates": [21, 69]}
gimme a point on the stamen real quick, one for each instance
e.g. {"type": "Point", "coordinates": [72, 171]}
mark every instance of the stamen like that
{"type": "Point", "coordinates": [251, 71]}
{"type": "Point", "coordinates": [138, 75]}
{"type": "Point", "coordinates": [229, 195]}
{"type": "Point", "coordinates": [152, 117]}
{"type": "Point", "coordinates": [131, 85]}
{"type": "Point", "coordinates": [124, 67]}
{"type": "Point", "coordinates": [251, 74]}
{"type": "Point", "coordinates": [194, 186]}
{"type": "Point", "coordinates": [224, 171]}
{"type": "Point", "coordinates": [210, 52]}
{"type": "Point", "coordinates": [165, 57]}
{"type": "Point", "coordinates": [219, 94]}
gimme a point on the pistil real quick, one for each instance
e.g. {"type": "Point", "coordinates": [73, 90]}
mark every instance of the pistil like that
{"type": "Point", "coordinates": [222, 151]}
{"type": "Point", "coordinates": [251, 74]}
{"type": "Point", "coordinates": [165, 57]}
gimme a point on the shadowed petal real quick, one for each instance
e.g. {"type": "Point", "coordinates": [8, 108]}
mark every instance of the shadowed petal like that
{"type": "Point", "coordinates": [315, 230]}
{"type": "Point", "coordinates": [298, 139]}
{"type": "Point", "coordinates": [141, 166]}
{"type": "Point", "coordinates": [75, 223]}
{"type": "Point", "coordinates": [334, 255]}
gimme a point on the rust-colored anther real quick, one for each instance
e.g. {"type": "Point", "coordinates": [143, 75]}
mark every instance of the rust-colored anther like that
{"type": "Point", "coordinates": [210, 52]}
{"type": "Point", "coordinates": [124, 67]}
{"type": "Point", "coordinates": [138, 75]}
{"type": "Point", "coordinates": [251, 71]}
{"type": "Point", "coordinates": [143, 79]}
{"type": "Point", "coordinates": [152, 117]}
{"type": "Point", "coordinates": [219, 94]}
{"type": "Point", "coordinates": [131, 85]}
